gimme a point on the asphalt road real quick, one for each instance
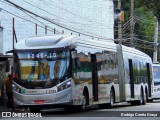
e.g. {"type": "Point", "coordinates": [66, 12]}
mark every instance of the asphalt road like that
{"type": "Point", "coordinates": [150, 111]}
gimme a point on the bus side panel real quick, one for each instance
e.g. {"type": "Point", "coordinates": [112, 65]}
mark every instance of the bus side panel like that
{"type": "Point", "coordinates": [136, 75]}
{"type": "Point", "coordinates": [107, 67]}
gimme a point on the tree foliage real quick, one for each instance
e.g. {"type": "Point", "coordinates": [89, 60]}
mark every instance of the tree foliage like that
{"type": "Point", "coordinates": [144, 27]}
{"type": "Point", "coordinates": [153, 5]}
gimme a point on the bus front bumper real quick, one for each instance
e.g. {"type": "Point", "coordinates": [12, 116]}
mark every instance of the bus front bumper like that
{"type": "Point", "coordinates": [62, 97]}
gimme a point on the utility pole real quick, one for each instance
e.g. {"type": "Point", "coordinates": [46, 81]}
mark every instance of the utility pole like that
{"type": "Point", "coordinates": [46, 30]}
{"type": "Point", "coordinates": [132, 24]}
{"type": "Point", "coordinates": [155, 42]}
{"type": "Point", "coordinates": [119, 24]}
{"type": "Point", "coordinates": [13, 33]}
{"type": "Point", "coordinates": [36, 29]}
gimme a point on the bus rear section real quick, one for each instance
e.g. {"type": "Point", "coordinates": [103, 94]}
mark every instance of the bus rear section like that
{"type": "Point", "coordinates": [156, 79]}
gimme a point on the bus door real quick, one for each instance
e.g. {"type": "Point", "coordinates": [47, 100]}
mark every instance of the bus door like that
{"type": "Point", "coordinates": [149, 78]}
{"type": "Point", "coordinates": [94, 77]}
{"type": "Point", "coordinates": [131, 77]}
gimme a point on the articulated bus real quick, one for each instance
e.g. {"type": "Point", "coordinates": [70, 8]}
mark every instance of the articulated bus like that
{"type": "Point", "coordinates": [73, 72]}
{"type": "Point", "coordinates": [156, 79]}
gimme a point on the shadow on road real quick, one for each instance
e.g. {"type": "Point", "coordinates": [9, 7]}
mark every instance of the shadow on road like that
{"type": "Point", "coordinates": [89, 112]}
{"type": "Point", "coordinates": [92, 112]}
{"type": "Point", "coordinates": [64, 113]}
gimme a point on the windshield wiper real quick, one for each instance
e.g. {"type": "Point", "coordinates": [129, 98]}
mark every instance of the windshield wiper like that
{"type": "Point", "coordinates": [30, 76]}
{"type": "Point", "coordinates": [64, 76]}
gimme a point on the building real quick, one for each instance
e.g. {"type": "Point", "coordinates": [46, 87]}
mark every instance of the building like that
{"type": "Point", "coordinates": [92, 17]}
{"type": "Point", "coordinates": [1, 39]}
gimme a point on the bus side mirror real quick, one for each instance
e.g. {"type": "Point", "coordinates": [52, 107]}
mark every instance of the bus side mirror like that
{"type": "Point", "coordinates": [77, 62]}
{"type": "Point", "coordinates": [7, 66]}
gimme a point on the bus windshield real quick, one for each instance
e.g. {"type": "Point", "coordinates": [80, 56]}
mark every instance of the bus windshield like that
{"type": "Point", "coordinates": [43, 65]}
{"type": "Point", "coordinates": [156, 73]}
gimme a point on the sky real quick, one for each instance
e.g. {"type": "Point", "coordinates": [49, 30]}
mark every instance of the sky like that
{"type": "Point", "coordinates": [91, 17]}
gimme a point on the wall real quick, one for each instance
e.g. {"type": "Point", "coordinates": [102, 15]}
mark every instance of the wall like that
{"type": "Point", "coordinates": [1, 39]}
{"type": "Point", "coordinates": [92, 17]}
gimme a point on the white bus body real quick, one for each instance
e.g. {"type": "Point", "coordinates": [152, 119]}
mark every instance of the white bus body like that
{"type": "Point", "coordinates": [65, 71]}
{"type": "Point", "coordinates": [156, 79]}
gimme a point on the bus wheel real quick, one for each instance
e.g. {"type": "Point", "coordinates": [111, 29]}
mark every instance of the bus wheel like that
{"type": "Point", "coordinates": [34, 109]}
{"type": "Point", "coordinates": [144, 99]}
{"type": "Point", "coordinates": [147, 96]}
{"type": "Point", "coordinates": [141, 101]}
{"type": "Point", "coordinates": [84, 102]}
{"type": "Point", "coordinates": [112, 99]}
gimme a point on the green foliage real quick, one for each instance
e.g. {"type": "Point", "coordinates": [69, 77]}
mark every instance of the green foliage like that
{"type": "Point", "coordinates": [145, 12]}
{"type": "Point", "coordinates": [153, 5]}
{"type": "Point", "coordinates": [145, 25]}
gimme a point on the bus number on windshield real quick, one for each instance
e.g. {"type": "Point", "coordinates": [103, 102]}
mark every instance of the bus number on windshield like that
{"type": "Point", "coordinates": [45, 55]}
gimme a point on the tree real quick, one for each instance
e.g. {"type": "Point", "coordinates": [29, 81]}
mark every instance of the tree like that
{"type": "Point", "coordinates": [153, 5]}
{"type": "Point", "coordinates": [144, 19]}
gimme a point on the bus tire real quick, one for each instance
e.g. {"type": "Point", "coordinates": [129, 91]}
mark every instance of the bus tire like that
{"type": "Point", "coordinates": [85, 100]}
{"type": "Point", "coordinates": [146, 91]}
{"type": "Point", "coordinates": [34, 109]}
{"type": "Point", "coordinates": [82, 107]}
{"type": "Point", "coordinates": [112, 99]}
{"type": "Point", "coordinates": [145, 98]}
{"type": "Point", "coordinates": [84, 104]}
{"type": "Point", "coordinates": [142, 100]}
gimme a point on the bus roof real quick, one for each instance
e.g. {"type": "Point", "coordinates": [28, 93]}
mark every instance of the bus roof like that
{"type": "Point", "coordinates": [57, 41]}
{"type": "Point", "coordinates": [44, 42]}
{"type": "Point", "coordinates": [134, 51]}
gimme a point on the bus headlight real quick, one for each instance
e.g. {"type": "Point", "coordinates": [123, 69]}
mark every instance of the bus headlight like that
{"type": "Point", "coordinates": [16, 88]}
{"type": "Point", "coordinates": [64, 86]}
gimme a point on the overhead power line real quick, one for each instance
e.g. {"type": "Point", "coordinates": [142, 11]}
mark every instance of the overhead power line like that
{"type": "Point", "coordinates": [49, 28]}
{"type": "Point", "coordinates": [71, 12]}
{"type": "Point", "coordinates": [48, 20]}
{"type": "Point", "coordinates": [51, 13]}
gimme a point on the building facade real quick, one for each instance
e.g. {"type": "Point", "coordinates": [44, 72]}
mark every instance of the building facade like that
{"type": "Point", "coordinates": [1, 39]}
{"type": "Point", "coordinates": [91, 17]}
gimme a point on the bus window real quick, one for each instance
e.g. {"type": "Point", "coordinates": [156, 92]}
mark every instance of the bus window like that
{"type": "Point", "coordinates": [156, 79]}
{"type": "Point", "coordinates": [156, 73]}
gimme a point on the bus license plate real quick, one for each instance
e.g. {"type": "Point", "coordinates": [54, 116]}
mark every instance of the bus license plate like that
{"type": "Point", "coordinates": [39, 102]}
